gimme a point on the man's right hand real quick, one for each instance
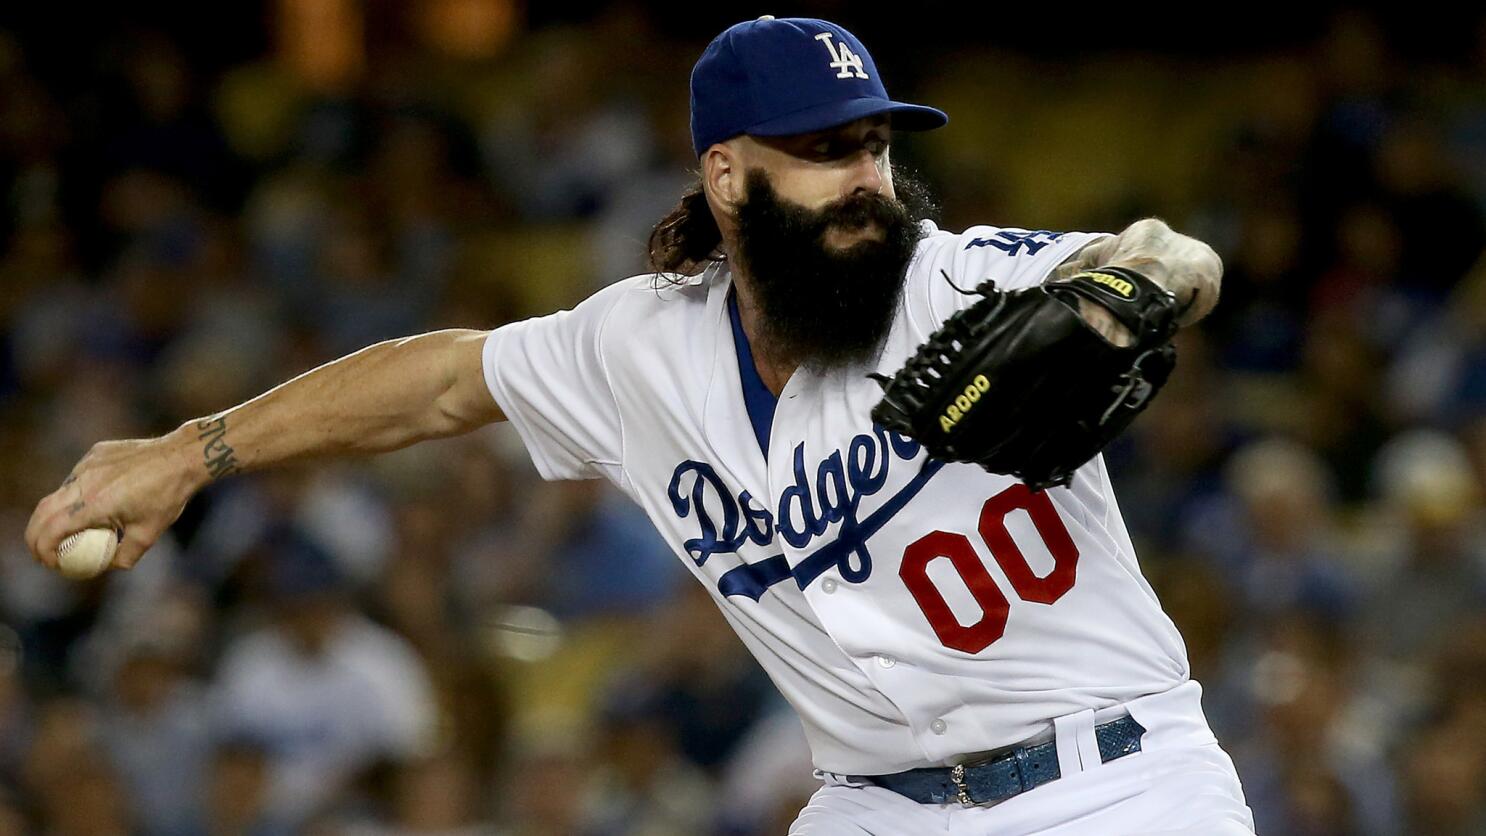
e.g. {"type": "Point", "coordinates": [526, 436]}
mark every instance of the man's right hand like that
{"type": "Point", "coordinates": [383, 397]}
{"type": "Point", "coordinates": [137, 487]}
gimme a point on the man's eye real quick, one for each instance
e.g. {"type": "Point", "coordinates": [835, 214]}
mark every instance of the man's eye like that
{"type": "Point", "coordinates": [822, 147]}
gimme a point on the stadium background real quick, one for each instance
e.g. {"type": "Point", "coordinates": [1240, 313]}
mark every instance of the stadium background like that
{"type": "Point", "coordinates": [201, 202]}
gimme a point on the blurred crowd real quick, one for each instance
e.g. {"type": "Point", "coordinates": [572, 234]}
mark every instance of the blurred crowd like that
{"type": "Point", "coordinates": [437, 642]}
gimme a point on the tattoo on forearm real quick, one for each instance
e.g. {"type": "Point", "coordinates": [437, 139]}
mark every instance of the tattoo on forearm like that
{"type": "Point", "coordinates": [74, 508]}
{"type": "Point", "coordinates": [217, 453]}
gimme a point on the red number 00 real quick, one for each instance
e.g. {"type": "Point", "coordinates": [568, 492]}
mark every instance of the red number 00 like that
{"type": "Point", "coordinates": [993, 604]}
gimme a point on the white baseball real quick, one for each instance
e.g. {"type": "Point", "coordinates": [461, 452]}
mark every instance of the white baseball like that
{"type": "Point", "coordinates": [87, 553]}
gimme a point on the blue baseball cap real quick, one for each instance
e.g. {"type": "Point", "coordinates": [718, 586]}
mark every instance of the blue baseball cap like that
{"type": "Point", "coordinates": [781, 76]}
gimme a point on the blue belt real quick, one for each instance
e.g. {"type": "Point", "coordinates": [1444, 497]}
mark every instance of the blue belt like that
{"type": "Point", "coordinates": [1005, 775]}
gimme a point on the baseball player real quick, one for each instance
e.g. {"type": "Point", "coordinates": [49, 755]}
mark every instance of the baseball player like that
{"type": "Point", "coordinates": [967, 655]}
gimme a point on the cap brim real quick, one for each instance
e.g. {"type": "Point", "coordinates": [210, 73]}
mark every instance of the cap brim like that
{"type": "Point", "coordinates": [906, 117]}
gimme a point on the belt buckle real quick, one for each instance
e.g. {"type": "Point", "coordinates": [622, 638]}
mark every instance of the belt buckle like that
{"type": "Point", "coordinates": [957, 777]}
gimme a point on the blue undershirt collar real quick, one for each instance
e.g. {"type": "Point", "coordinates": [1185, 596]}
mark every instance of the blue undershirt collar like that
{"type": "Point", "coordinates": [759, 401]}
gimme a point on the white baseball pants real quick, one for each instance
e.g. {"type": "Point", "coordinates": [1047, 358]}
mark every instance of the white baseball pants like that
{"type": "Point", "coordinates": [1180, 782]}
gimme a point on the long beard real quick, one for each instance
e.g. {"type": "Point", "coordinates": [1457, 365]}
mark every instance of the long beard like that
{"type": "Point", "coordinates": [823, 307]}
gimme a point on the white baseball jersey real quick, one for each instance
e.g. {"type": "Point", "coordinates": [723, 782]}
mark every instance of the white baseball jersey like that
{"type": "Point", "coordinates": [910, 610]}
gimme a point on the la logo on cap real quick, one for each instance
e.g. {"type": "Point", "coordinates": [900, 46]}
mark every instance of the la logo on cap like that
{"type": "Point", "coordinates": [842, 58]}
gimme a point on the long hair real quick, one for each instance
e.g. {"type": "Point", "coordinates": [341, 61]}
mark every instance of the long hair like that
{"type": "Point", "coordinates": [687, 239]}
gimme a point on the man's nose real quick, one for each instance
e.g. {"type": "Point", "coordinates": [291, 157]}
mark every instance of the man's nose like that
{"type": "Point", "coordinates": [865, 175]}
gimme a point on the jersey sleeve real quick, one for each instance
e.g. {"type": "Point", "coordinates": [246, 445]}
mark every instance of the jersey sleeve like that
{"type": "Point", "coordinates": [549, 376]}
{"type": "Point", "coordinates": [1016, 258]}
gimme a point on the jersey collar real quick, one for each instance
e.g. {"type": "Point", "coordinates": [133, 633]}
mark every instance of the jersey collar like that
{"type": "Point", "coordinates": [757, 398]}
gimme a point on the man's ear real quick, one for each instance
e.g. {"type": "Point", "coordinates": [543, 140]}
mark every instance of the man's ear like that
{"type": "Point", "coordinates": [722, 175]}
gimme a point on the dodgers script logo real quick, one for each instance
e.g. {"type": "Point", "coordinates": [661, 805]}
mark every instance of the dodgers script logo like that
{"type": "Point", "coordinates": [806, 509]}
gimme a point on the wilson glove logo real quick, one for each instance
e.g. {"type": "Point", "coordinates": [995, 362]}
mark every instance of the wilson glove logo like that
{"type": "Point", "coordinates": [1115, 283]}
{"type": "Point", "coordinates": [963, 403]}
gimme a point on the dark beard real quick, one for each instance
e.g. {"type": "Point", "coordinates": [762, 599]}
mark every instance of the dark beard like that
{"type": "Point", "coordinates": [822, 307]}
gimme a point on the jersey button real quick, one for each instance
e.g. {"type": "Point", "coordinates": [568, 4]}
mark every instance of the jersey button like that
{"type": "Point", "coordinates": [938, 726]}
{"type": "Point", "coordinates": [886, 661]}
{"type": "Point", "coordinates": [828, 586]}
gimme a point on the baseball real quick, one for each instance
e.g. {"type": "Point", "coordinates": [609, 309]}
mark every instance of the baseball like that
{"type": "Point", "coordinates": [87, 553]}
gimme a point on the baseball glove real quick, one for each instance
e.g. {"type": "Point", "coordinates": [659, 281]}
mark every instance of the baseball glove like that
{"type": "Point", "coordinates": [1020, 384]}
